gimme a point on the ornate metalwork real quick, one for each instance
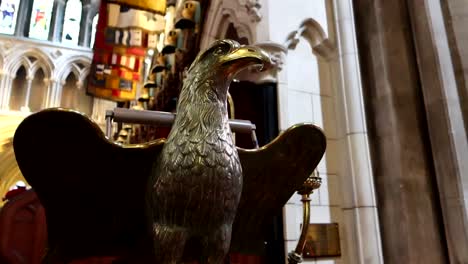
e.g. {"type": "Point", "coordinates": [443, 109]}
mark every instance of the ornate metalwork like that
{"type": "Point", "coordinates": [165, 201]}
{"type": "Point", "coordinates": [312, 183]}
{"type": "Point", "coordinates": [197, 181]}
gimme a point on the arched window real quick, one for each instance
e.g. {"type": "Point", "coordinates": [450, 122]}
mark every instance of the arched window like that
{"type": "Point", "coordinates": [8, 16]}
{"type": "Point", "coordinates": [71, 24]}
{"type": "Point", "coordinates": [94, 28]}
{"type": "Point", "coordinates": [18, 90]}
{"type": "Point", "coordinates": [40, 19]}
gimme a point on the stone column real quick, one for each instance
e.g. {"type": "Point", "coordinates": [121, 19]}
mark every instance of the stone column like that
{"type": "Point", "coordinates": [408, 205]}
{"type": "Point", "coordinates": [3, 88]}
{"type": "Point", "coordinates": [444, 110]}
{"type": "Point", "coordinates": [7, 85]}
{"type": "Point", "coordinates": [56, 24]}
{"type": "Point", "coordinates": [86, 25]}
{"type": "Point", "coordinates": [24, 19]}
{"type": "Point", "coordinates": [27, 98]}
{"type": "Point", "coordinates": [52, 88]}
{"type": "Point", "coordinates": [362, 240]}
{"type": "Point", "coordinates": [58, 92]}
{"type": "Point", "coordinates": [53, 95]}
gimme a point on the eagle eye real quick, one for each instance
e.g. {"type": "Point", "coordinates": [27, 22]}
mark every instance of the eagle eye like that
{"type": "Point", "coordinates": [222, 49]}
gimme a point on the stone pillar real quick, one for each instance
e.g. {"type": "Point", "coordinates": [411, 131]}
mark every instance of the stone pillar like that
{"type": "Point", "coordinates": [50, 100]}
{"type": "Point", "coordinates": [58, 92]}
{"type": "Point", "coordinates": [24, 19]}
{"type": "Point", "coordinates": [7, 85]}
{"type": "Point", "coordinates": [362, 240]}
{"type": "Point", "coordinates": [53, 95]}
{"type": "Point", "coordinates": [2, 89]}
{"type": "Point", "coordinates": [86, 25]}
{"type": "Point", "coordinates": [56, 24]}
{"type": "Point", "coordinates": [27, 98]}
{"type": "Point", "coordinates": [443, 102]}
{"type": "Point", "coordinates": [408, 205]}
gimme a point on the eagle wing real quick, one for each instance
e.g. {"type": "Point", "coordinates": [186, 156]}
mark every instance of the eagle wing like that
{"type": "Point", "coordinates": [93, 190]}
{"type": "Point", "coordinates": [271, 176]}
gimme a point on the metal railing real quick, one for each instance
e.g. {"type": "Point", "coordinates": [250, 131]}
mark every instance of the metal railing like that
{"type": "Point", "coordinates": [166, 119]}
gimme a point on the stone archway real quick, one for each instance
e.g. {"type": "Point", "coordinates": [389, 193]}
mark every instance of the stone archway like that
{"type": "Point", "coordinates": [242, 16]}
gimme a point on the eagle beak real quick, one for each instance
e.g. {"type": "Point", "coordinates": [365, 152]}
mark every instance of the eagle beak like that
{"type": "Point", "coordinates": [249, 55]}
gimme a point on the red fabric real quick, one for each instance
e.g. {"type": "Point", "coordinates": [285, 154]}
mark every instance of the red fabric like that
{"type": "Point", "coordinates": [95, 260]}
{"type": "Point", "coordinates": [246, 259]}
{"type": "Point", "coordinates": [100, 39]}
{"type": "Point", "coordinates": [11, 194]}
{"type": "Point", "coordinates": [116, 93]}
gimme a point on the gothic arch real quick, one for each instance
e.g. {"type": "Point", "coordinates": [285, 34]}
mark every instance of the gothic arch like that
{"type": "Point", "coordinates": [223, 13]}
{"type": "Point", "coordinates": [315, 35]}
{"type": "Point", "coordinates": [2, 62]}
{"type": "Point", "coordinates": [78, 65]}
{"type": "Point", "coordinates": [14, 67]}
{"type": "Point", "coordinates": [32, 60]}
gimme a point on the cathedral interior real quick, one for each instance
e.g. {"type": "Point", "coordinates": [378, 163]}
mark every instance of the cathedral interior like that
{"type": "Point", "coordinates": [385, 81]}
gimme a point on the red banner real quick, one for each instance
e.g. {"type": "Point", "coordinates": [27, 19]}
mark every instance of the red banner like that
{"type": "Point", "coordinates": [124, 35]}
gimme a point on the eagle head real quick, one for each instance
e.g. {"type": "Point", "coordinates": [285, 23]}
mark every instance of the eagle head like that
{"type": "Point", "coordinates": [211, 73]}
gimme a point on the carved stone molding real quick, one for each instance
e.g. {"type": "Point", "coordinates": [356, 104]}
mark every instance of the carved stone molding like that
{"type": "Point", "coordinates": [311, 30]}
{"type": "Point", "coordinates": [253, 9]}
{"type": "Point", "coordinates": [269, 73]}
{"type": "Point", "coordinates": [242, 14]}
{"type": "Point", "coordinates": [55, 61]}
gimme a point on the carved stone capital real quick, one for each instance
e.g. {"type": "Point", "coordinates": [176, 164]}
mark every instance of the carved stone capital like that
{"type": "Point", "coordinates": [277, 53]}
{"type": "Point", "coordinates": [253, 9]}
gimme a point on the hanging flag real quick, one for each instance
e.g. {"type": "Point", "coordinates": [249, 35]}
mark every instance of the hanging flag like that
{"type": "Point", "coordinates": [126, 30]}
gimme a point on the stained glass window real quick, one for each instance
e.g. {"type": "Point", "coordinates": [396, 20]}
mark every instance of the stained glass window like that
{"type": "Point", "coordinates": [40, 19]}
{"type": "Point", "coordinates": [71, 24]}
{"type": "Point", "coordinates": [8, 16]}
{"type": "Point", "coordinates": [94, 28]}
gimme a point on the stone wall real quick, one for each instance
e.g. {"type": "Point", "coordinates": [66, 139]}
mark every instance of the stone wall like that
{"type": "Point", "coordinates": [456, 19]}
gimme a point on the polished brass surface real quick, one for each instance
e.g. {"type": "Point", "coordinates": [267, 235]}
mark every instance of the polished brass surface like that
{"type": "Point", "coordinates": [312, 183]}
{"type": "Point", "coordinates": [108, 199]}
{"type": "Point", "coordinates": [322, 241]}
{"type": "Point", "coordinates": [232, 113]}
{"type": "Point", "coordinates": [196, 183]}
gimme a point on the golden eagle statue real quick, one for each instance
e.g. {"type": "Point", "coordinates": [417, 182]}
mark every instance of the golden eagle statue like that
{"type": "Point", "coordinates": [192, 197]}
